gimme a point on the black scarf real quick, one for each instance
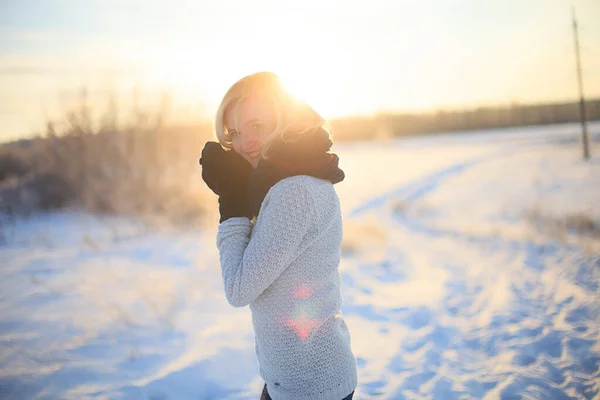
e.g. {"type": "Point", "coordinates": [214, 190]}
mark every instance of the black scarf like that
{"type": "Point", "coordinates": [309, 155]}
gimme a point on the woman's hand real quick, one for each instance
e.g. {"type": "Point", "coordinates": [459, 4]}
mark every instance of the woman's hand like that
{"type": "Point", "coordinates": [226, 174]}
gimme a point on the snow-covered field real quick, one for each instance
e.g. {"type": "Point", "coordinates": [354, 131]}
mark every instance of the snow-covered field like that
{"type": "Point", "coordinates": [471, 269]}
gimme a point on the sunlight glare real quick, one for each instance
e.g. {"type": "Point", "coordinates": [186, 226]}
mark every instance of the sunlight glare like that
{"type": "Point", "coordinates": [310, 65]}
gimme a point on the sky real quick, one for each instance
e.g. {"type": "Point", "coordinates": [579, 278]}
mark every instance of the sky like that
{"type": "Point", "coordinates": [344, 57]}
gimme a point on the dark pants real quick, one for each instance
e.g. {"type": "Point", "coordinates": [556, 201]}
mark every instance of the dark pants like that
{"type": "Point", "coordinates": [265, 395]}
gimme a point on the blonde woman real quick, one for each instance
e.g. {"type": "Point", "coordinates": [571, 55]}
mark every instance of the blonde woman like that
{"type": "Point", "coordinates": [280, 235]}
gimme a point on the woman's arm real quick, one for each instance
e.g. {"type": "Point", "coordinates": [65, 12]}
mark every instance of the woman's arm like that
{"type": "Point", "coordinates": [250, 266]}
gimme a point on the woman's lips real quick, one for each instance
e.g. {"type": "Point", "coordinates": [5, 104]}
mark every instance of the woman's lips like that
{"type": "Point", "coordinates": [254, 154]}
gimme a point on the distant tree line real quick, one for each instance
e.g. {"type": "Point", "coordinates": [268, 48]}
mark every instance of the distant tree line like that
{"type": "Point", "coordinates": [391, 124]}
{"type": "Point", "coordinates": [400, 124]}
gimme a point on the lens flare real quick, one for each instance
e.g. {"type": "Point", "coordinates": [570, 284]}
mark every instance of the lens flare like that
{"type": "Point", "coordinates": [302, 325]}
{"type": "Point", "coordinates": [303, 292]}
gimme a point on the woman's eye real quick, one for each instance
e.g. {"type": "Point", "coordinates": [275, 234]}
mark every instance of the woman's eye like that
{"type": "Point", "coordinates": [234, 133]}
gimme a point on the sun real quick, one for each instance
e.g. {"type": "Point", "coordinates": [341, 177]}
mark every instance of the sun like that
{"type": "Point", "coordinates": [316, 89]}
{"type": "Point", "coordinates": [300, 86]}
{"type": "Point", "coordinates": [192, 75]}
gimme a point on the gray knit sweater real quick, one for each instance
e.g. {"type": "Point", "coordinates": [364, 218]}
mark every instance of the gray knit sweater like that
{"type": "Point", "coordinates": [286, 269]}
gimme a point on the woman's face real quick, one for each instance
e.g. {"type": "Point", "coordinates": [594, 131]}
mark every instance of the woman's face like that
{"type": "Point", "coordinates": [256, 120]}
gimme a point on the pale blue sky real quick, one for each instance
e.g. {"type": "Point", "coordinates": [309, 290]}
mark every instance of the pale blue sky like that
{"type": "Point", "coordinates": [344, 57]}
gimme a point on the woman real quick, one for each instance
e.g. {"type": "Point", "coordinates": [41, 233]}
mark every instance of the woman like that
{"type": "Point", "coordinates": [272, 162]}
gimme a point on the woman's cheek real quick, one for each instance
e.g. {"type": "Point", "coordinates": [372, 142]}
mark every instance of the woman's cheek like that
{"type": "Point", "coordinates": [236, 145]}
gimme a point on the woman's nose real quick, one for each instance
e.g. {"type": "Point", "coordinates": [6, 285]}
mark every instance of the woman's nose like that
{"type": "Point", "coordinates": [250, 142]}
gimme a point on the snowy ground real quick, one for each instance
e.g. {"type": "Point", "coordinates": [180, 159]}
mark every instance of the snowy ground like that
{"type": "Point", "coordinates": [471, 269]}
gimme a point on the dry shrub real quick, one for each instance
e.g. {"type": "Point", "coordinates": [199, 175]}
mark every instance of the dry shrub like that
{"type": "Point", "coordinates": [143, 169]}
{"type": "Point", "coordinates": [12, 165]}
{"type": "Point", "coordinates": [45, 191]}
{"type": "Point", "coordinates": [580, 227]}
{"type": "Point", "coordinates": [577, 223]}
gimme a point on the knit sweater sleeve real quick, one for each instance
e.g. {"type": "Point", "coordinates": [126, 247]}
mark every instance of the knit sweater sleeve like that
{"type": "Point", "coordinates": [251, 265]}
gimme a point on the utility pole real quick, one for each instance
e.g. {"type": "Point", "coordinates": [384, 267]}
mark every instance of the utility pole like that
{"type": "Point", "coordinates": [586, 146]}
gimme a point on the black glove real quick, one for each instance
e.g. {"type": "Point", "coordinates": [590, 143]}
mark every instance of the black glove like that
{"type": "Point", "coordinates": [226, 174]}
{"type": "Point", "coordinates": [308, 147]}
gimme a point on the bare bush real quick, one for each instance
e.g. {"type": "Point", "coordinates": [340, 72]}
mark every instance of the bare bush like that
{"type": "Point", "coordinates": [44, 191]}
{"type": "Point", "coordinates": [576, 223]}
{"type": "Point", "coordinates": [579, 228]}
{"type": "Point", "coordinates": [142, 168]}
{"type": "Point", "coordinates": [12, 165]}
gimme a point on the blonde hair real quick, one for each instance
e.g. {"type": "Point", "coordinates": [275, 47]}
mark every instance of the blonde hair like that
{"type": "Point", "coordinates": [294, 116]}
